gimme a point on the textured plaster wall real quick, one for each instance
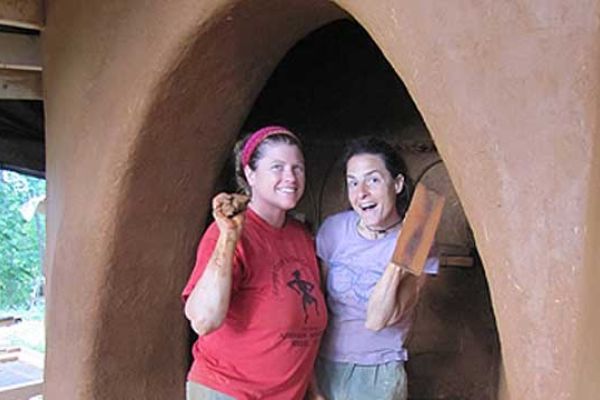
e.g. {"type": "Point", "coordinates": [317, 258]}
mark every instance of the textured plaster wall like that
{"type": "Point", "coordinates": [508, 93]}
{"type": "Point", "coordinates": [144, 98]}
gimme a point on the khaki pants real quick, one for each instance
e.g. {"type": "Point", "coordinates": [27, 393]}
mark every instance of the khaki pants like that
{"type": "Point", "coordinates": [347, 381]}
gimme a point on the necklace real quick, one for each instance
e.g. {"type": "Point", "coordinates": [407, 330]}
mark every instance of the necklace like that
{"type": "Point", "coordinates": [371, 233]}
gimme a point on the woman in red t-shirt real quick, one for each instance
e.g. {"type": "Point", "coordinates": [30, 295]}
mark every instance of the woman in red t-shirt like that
{"type": "Point", "coordinates": [254, 296]}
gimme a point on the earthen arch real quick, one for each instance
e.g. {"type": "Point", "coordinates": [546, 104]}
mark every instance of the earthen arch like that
{"type": "Point", "coordinates": [151, 98]}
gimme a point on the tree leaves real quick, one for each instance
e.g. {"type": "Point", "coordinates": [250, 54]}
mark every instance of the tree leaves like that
{"type": "Point", "coordinates": [21, 242]}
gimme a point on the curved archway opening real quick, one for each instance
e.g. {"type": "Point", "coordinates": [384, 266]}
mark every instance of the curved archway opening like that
{"type": "Point", "coordinates": [335, 85]}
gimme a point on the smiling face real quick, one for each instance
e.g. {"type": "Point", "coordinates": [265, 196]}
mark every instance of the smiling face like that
{"type": "Point", "coordinates": [277, 183]}
{"type": "Point", "coordinates": [372, 190]}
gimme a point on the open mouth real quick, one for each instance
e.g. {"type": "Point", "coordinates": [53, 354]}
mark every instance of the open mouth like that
{"type": "Point", "coordinates": [368, 206]}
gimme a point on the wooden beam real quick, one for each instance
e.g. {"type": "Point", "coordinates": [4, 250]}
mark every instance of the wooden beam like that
{"type": "Point", "coordinates": [20, 85]}
{"type": "Point", "coordinates": [8, 321]}
{"type": "Point", "coordinates": [20, 392]}
{"type": "Point", "coordinates": [22, 155]}
{"type": "Point", "coordinates": [20, 51]}
{"type": "Point", "coordinates": [457, 261]}
{"type": "Point", "coordinates": [22, 13]}
{"type": "Point", "coordinates": [8, 357]}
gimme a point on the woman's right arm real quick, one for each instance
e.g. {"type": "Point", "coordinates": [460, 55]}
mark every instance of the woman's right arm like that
{"type": "Point", "coordinates": [394, 297]}
{"type": "Point", "coordinates": [382, 306]}
{"type": "Point", "coordinates": [207, 305]}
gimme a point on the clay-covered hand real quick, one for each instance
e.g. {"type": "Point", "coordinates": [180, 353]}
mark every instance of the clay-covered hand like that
{"type": "Point", "coordinates": [228, 211]}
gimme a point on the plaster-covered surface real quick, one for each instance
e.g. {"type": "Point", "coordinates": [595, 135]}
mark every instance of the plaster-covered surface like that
{"type": "Point", "coordinates": [143, 100]}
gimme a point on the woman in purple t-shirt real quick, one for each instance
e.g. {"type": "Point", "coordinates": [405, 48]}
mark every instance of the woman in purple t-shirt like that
{"type": "Point", "coordinates": [370, 299]}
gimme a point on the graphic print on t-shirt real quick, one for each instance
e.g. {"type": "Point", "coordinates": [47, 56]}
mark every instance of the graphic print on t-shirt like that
{"type": "Point", "coordinates": [288, 278]}
{"type": "Point", "coordinates": [304, 288]}
{"type": "Point", "coordinates": [352, 283]}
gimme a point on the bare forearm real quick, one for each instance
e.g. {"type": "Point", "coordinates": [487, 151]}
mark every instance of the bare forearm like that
{"type": "Point", "coordinates": [381, 307]}
{"type": "Point", "coordinates": [208, 303]}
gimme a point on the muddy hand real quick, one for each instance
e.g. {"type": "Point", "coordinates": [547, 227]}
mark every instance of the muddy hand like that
{"type": "Point", "coordinates": [237, 203]}
{"type": "Point", "coordinates": [228, 210]}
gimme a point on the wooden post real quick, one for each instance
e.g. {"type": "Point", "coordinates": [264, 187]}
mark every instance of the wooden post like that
{"type": "Point", "coordinates": [27, 14]}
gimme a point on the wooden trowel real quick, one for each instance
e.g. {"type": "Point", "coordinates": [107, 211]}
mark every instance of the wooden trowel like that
{"type": "Point", "coordinates": [418, 232]}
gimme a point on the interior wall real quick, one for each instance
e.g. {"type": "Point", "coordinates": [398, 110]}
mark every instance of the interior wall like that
{"type": "Point", "coordinates": [587, 385]}
{"type": "Point", "coordinates": [143, 99]}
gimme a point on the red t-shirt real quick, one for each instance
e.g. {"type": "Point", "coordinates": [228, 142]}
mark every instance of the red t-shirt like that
{"type": "Point", "coordinates": [267, 345]}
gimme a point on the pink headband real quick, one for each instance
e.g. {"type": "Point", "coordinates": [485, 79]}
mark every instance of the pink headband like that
{"type": "Point", "coordinates": [257, 138]}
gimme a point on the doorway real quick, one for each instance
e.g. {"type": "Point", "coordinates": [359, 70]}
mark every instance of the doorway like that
{"type": "Point", "coordinates": [335, 85]}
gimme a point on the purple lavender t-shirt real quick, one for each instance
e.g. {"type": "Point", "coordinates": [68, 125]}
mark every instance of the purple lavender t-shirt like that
{"type": "Point", "coordinates": [355, 264]}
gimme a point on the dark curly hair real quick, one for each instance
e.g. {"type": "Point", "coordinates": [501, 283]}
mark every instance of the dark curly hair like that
{"type": "Point", "coordinates": [394, 163]}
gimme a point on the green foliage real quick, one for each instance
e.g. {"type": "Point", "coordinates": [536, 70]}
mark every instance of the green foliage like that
{"type": "Point", "coordinates": [21, 241]}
